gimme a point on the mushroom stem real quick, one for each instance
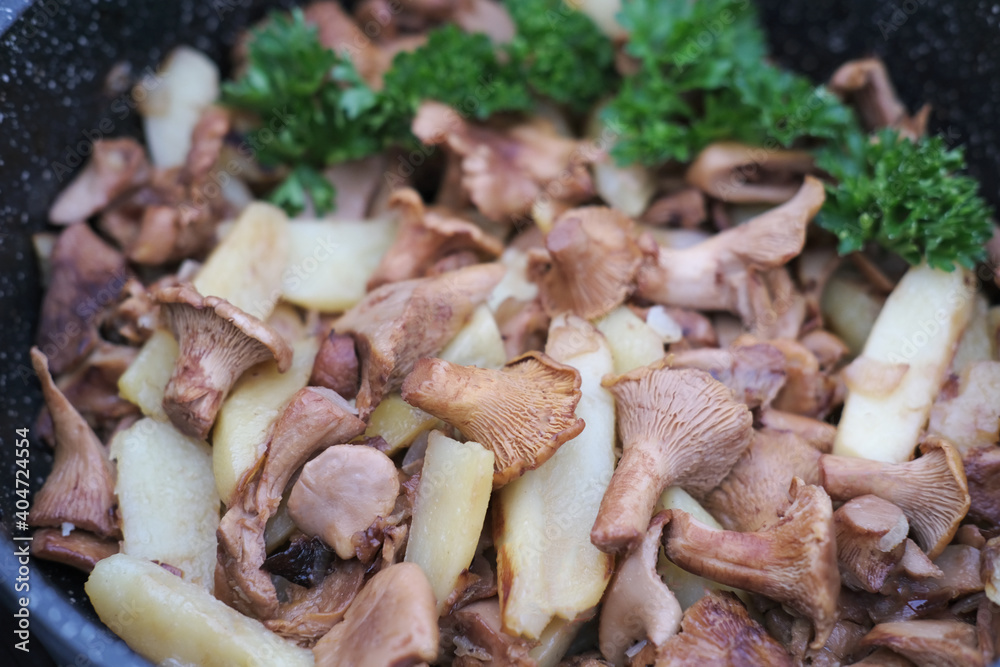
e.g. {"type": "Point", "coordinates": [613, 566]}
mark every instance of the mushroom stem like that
{"type": "Point", "coordinates": [932, 490]}
{"type": "Point", "coordinates": [631, 497]}
{"type": "Point", "coordinates": [793, 562]}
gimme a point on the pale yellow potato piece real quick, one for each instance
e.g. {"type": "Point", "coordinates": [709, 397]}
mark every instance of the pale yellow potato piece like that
{"type": "Point", "coordinates": [687, 588]}
{"type": "Point", "coordinates": [515, 281]}
{"type": "Point", "coordinates": [918, 327]}
{"type": "Point", "coordinates": [170, 621]}
{"type": "Point", "coordinates": [478, 343]}
{"type": "Point", "coordinates": [543, 521]}
{"type": "Point", "coordinates": [555, 641]}
{"type": "Point", "coordinates": [633, 342]}
{"type": "Point", "coordinates": [448, 514]}
{"type": "Point", "coordinates": [253, 406]}
{"type": "Point", "coordinates": [398, 422]}
{"type": "Point", "coordinates": [145, 380]}
{"type": "Point", "coordinates": [172, 102]}
{"type": "Point", "coordinates": [247, 266]}
{"type": "Point", "coordinates": [977, 343]}
{"type": "Point", "coordinates": [166, 498]}
{"type": "Point", "coordinates": [330, 261]}
{"type": "Point", "coordinates": [849, 308]}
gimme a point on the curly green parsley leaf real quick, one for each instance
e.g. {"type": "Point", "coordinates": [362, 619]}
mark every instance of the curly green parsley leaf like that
{"type": "Point", "coordinates": [908, 197]}
{"type": "Point", "coordinates": [459, 69]}
{"type": "Point", "coordinates": [702, 78]}
{"type": "Point", "coordinates": [315, 108]}
{"type": "Point", "coordinates": [563, 54]}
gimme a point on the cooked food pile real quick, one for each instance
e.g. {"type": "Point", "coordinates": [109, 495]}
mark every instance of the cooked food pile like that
{"type": "Point", "coordinates": [536, 333]}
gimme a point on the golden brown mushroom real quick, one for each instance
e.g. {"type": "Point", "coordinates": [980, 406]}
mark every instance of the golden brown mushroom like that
{"type": "Point", "coordinates": [793, 562]}
{"type": "Point", "coordinates": [730, 271]}
{"type": "Point", "coordinates": [814, 432]}
{"type": "Point", "coordinates": [479, 633]}
{"type": "Point", "coordinates": [506, 171]}
{"type": "Point", "coordinates": [754, 372]}
{"type": "Point", "coordinates": [754, 494]}
{"type": "Point", "coordinates": [677, 427]}
{"type": "Point", "coordinates": [865, 83]}
{"type": "Point", "coordinates": [218, 342]}
{"type": "Point", "coordinates": [742, 174]}
{"type": "Point", "coordinates": [426, 236]}
{"type": "Point", "coordinates": [590, 264]}
{"type": "Point", "coordinates": [309, 613]}
{"type": "Point", "coordinates": [79, 549]}
{"type": "Point", "coordinates": [982, 470]}
{"type": "Point", "coordinates": [522, 413]}
{"type": "Point", "coordinates": [638, 605]}
{"type": "Point", "coordinates": [393, 621]}
{"type": "Point", "coordinates": [87, 276]}
{"type": "Point", "coordinates": [116, 166]}
{"type": "Point", "coordinates": [80, 488]}
{"type": "Point", "coordinates": [931, 490]}
{"type": "Point", "coordinates": [717, 630]}
{"type": "Point", "coordinates": [397, 324]}
{"type": "Point", "coordinates": [939, 643]}
{"type": "Point", "coordinates": [341, 492]}
{"type": "Point", "coordinates": [871, 541]}
{"type": "Point", "coordinates": [336, 366]}
{"type": "Point", "coordinates": [314, 418]}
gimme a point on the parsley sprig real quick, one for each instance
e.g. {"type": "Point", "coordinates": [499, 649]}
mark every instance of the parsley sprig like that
{"type": "Point", "coordinates": [910, 198]}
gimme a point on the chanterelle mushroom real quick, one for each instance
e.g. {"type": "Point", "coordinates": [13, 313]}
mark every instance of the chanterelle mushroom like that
{"type": "Point", "coordinates": [505, 171]}
{"type": "Point", "coordinates": [392, 621]}
{"type": "Point", "coordinates": [79, 549]}
{"type": "Point", "coordinates": [80, 488]}
{"type": "Point", "coordinates": [677, 427]}
{"type": "Point", "coordinates": [314, 418]}
{"type": "Point", "coordinates": [397, 324]}
{"type": "Point", "coordinates": [218, 341]}
{"type": "Point", "coordinates": [87, 273]}
{"type": "Point", "coordinates": [866, 83]}
{"type": "Point", "coordinates": [717, 630]}
{"type": "Point", "coordinates": [932, 490]}
{"type": "Point", "coordinates": [726, 272]}
{"type": "Point", "coordinates": [116, 166]}
{"type": "Point", "coordinates": [939, 643]}
{"type": "Point", "coordinates": [871, 541]}
{"type": "Point", "coordinates": [748, 175]}
{"type": "Point", "coordinates": [754, 372]}
{"type": "Point", "coordinates": [522, 413]}
{"type": "Point", "coordinates": [426, 236]}
{"type": "Point", "coordinates": [637, 604]}
{"type": "Point", "coordinates": [793, 562]}
{"type": "Point", "coordinates": [754, 494]}
{"type": "Point", "coordinates": [590, 264]}
{"type": "Point", "coordinates": [341, 492]}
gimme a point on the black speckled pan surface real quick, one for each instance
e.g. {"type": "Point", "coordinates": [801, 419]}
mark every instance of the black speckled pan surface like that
{"type": "Point", "coordinates": [53, 62]}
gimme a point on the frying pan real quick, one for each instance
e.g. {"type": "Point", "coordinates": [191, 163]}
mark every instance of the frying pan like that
{"type": "Point", "coordinates": [54, 58]}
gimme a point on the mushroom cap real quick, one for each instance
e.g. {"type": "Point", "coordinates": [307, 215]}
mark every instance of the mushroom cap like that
{"type": "Point", "coordinates": [932, 490]}
{"type": "Point", "coordinates": [79, 549]}
{"type": "Point", "coordinates": [425, 236]}
{"type": "Point", "coordinates": [718, 630]}
{"type": "Point", "coordinates": [696, 426]}
{"type": "Point", "coordinates": [341, 492]}
{"type": "Point", "coordinates": [314, 418]}
{"type": "Point", "coordinates": [591, 262]}
{"type": "Point", "coordinates": [753, 371]}
{"type": "Point", "coordinates": [522, 413]}
{"type": "Point", "coordinates": [944, 643]}
{"type": "Point", "coordinates": [754, 494]}
{"type": "Point", "coordinates": [397, 324]}
{"type": "Point", "coordinates": [80, 488]}
{"type": "Point", "coordinates": [717, 168]}
{"type": "Point", "coordinates": [637, 604]}
{"type": "Point", "coordinates": [677, 427]}
{"type": "Point", "coordinates": [218, 342]}
{"type": "Point", "coordinates": [309, 613]}
{"type": "Point", "coordinates": [871, 541]}
{"type": "Point", "coordinates": [793, 562]}
{"type": "Point", "coordinates": [392, 621]}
